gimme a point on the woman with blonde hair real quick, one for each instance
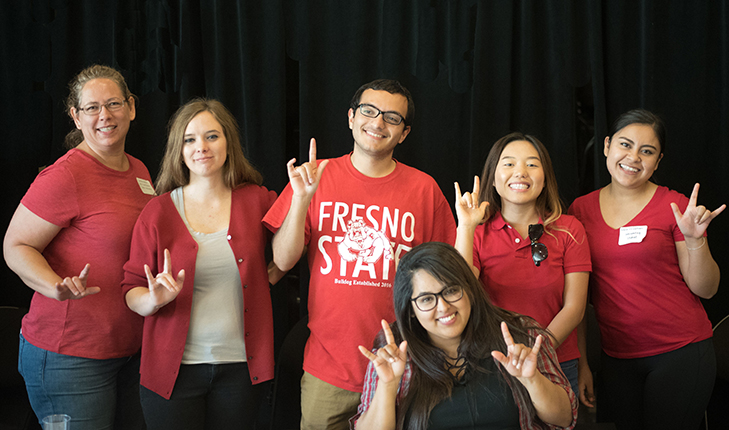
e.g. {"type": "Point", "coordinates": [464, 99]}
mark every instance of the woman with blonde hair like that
{"type": "Point", "coordinates": [530, 257]}
{"type": "Point", "coordinates": [197, 273]}
{"type": "Point", "coordinates": [68, 240]}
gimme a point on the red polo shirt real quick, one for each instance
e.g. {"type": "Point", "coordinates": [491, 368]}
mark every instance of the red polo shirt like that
{"type": "Point", "coordinates": [512, 280]}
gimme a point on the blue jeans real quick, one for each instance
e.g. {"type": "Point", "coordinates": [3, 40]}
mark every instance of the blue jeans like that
{"type": "Point", "coordinates": [206, 396]}
{"type": "Point", "coordinates": [97, 394]}
{"type": "Point", "coordinates": [569, 368]}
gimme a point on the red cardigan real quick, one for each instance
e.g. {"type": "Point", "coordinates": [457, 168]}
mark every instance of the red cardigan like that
{"type": "Point", "coordinates": [159, 226]}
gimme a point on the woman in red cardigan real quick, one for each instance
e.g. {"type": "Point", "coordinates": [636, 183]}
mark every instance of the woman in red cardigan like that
{"type": "Point", "coordinates": [198, 273]}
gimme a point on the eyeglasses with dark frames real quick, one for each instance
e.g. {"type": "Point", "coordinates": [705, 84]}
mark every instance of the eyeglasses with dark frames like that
{"type": "Point", "coordinates": [539, 250]}
{"type": "Point", "coordinates": [95, 109]}
{"type": "Point", "coordinates": [390, 116]}
{"type": "Point", "coordinates": [428, 301]}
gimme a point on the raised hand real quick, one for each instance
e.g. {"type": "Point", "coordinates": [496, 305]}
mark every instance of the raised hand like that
{"type": "Point", "coordinates": [390, 359]}
{"type": "Point", "coordinates": [522, 360]}
{"type": "Point", "coordinates": [694, 221]}
{"type": "Point", "coordinates": [468, 209]}
{"type": "Point", "coordinates": [72, 288]}
{"type": "Point", "coordinates": [163, 288]}
{"type": "Point", "coordinates": [305, 178]}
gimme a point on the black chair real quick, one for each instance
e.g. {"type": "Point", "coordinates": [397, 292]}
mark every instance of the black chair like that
{"type": "Point", "coordinates": [15, 410]}
{"type": "Point", "coordinates": [286, 403]}
{"type": "Point", "coordinates": [717, 415]}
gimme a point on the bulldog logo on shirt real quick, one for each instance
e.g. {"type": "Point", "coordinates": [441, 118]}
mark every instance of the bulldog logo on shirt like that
{"type": "Point", "coordinates": [364, 242]}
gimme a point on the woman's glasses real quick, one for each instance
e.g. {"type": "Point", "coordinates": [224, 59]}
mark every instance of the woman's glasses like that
{"type": "Point", "coordinates": [95, 109]}
{"type": "Point", "coordinates": [428, 301]}
{"type": "Point", "coordinates": [539, 250]}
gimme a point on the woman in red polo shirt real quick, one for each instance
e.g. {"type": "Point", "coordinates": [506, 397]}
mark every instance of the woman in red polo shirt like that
{"type": "Point", "coordinates": [530, 257]}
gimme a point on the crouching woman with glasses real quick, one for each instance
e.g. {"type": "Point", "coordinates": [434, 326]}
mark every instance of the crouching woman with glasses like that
{"type": "Point", "coordinates": [454, 360]}
{"type": "Point", "coordinates": [530, 257]}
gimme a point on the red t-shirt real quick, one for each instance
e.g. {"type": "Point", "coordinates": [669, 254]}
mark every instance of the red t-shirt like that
{"type": "Point", "coordinates": [357, 227]}
{"type": "Point", "coordinates": [642, 302]}
{"type": "Point", "coordinates": [512, 280]}
{"type": "Point", "coordinates": [96, 208]}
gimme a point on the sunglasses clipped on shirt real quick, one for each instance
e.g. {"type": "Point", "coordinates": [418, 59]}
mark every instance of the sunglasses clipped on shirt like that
{"type": "Point", "coordinates": [539, 250]}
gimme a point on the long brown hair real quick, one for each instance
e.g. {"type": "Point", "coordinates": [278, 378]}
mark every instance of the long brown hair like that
{"type": "Point", "coordinates": [548, 205]}
{"type": "Point", "coordinates": [431, 382]}
{"type": "Point", "coordinates": [174, 173]}
{"type": "Point", "coordinates": [75, 91]}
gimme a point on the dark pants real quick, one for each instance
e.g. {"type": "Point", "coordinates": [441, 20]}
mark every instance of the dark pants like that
{"type": "Point", "coordinates": [205, 397]}
{"type": "Point", "coordinates": [665, 391]}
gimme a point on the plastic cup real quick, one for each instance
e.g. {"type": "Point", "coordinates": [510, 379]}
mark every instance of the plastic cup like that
{"type": "Point", "coordinates": [57, 422]}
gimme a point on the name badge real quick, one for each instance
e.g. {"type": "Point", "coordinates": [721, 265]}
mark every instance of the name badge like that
{"type": "Point", "coordinates": [145, 186]}
{"type": "Point", "coordinates": [632, 234]}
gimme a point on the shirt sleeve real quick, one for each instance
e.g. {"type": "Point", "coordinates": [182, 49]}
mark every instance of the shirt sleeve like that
{"type": "Point", "coordinates": [278, 211]}
{"type": "Point", "coordinates": [368, 391]}
{"type": "Point", "coordinates": [548, 365]}
{"type": "Point", "coordinates": [52, 196]}
{"type": "Point", "coordinates": [444, 225]}
{"type": "Point", "coordinates": [143, 250]}
{"type": "Point", "coordinates": [577, 249]}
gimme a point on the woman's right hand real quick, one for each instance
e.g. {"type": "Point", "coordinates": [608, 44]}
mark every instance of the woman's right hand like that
{"type": "Point", "coordinates": [305, 178]}
{"type": "Point", "coordinates": [163, 288]}
{"type": "Point", "coordinates": [585, 384]}
{"type": "Point", "coordinates": [72, 288]}
{"type": "Point", "coordinates": [390, 360]}
{"type": "Point", "coordinates": [469, 210]}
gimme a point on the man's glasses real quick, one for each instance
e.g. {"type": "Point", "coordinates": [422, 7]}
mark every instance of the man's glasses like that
{"type": "Point", "coordinates": [95, 109]}
{"type": "Point", "coordinates": [428, 301]}
{"type": "Point", "coordinates": [390, 117]}
{"type": "Point", "coordinates": [539, 250]}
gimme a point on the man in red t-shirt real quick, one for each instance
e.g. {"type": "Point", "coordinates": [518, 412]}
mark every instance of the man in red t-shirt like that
{"type": "Point", "coordinates": [356, 221]}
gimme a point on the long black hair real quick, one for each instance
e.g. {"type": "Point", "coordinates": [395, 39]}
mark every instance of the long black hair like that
{"type": "Point", "coordinates": [431, 381]}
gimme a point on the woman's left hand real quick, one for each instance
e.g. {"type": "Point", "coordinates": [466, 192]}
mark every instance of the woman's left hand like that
{"type": "Point", "coordinates": [694, 221]}
{"type": "Point", "coordinates": [522, 360]}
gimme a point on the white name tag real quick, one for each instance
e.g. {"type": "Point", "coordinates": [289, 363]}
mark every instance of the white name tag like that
{"type": "Point", "coordinates": [632, 234]}
{"type": "Point", "coordinates": [145, 186]}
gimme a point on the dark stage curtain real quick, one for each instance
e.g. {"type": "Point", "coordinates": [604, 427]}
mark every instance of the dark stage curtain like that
{"type": "Point", "coordinates": [561, 70]}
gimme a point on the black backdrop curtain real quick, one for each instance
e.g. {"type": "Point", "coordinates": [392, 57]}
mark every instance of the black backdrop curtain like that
{"type": "Point", "coordinates": [561, 70]}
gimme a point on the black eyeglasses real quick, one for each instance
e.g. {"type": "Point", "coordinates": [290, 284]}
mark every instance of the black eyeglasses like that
{"type": "Point", "coordinates": [539, 250]}
{"type": "Point", "coordinates": [390, 117]}
{"type": "Point", "coordinates": [428, 301]}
